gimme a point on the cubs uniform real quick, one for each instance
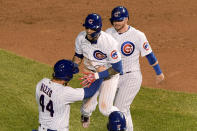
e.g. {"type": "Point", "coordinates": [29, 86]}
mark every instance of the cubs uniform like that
{"type": "Point", "coordinates": [102, 53]}
{"type": "Point", "coordinates": [54, 104]}
{"type": "Point", "coordinates": [132, 44]}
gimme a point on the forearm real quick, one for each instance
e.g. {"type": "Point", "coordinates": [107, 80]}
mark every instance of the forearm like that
{"type": "Point", "coordinates": [115, 69]}
{"type": "Point", "coordinates": [77, 60]}
{"type": "Point", "coordinates": [89, 92]}
{"type": "Point", "coordinates": [154, 63]}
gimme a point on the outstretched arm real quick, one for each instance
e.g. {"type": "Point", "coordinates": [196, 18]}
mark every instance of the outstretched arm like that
{"type": "Point", "coordinates": [89, 92]}
{"type": "Point", "coordinates": [116, 68]}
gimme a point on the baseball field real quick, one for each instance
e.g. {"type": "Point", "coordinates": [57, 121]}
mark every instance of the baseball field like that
{"type": "Point", "coordinates": [34, 34]}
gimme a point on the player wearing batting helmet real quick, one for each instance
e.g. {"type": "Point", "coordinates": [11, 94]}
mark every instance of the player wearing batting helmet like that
{"type": "Point", "coordinates": [102, 60]}
{"type": "Point", "coordinates": [54, 96]}
{"type": "Point", "coordinates": [132, 44]}
{"type": "Point", "coordinates": [116, 122]}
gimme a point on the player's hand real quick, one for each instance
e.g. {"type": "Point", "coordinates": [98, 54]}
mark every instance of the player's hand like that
{"type": "Point", "coordinates": [88, 79]}
{"type": "Point", "coordinates": [159, 78]}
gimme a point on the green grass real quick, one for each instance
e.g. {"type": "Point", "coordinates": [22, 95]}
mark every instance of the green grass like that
{"type": "Point", "coordinates": [152, 109]}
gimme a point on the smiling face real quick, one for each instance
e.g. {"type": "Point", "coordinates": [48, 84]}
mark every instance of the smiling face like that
{"type": "Point", "coordinates": [121, 26]}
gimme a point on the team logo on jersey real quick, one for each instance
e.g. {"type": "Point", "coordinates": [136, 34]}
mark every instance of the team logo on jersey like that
{"type": "Point", "coordinates": [117, 14]}
{"type": "Point", "coordinates": [99, 55]}
{"type": "Point", "coordinates": [90, 21]}
{"type": "Point", "coordinates": [127, 48]}
{"type": "Point", "coordinates": [114, 54]}
{"type": "Point", "coordinates": [146, 46]}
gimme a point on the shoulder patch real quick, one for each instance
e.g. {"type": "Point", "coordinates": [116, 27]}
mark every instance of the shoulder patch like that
{"type": "Point", "coordinates": [99, 55]}
{"type": "Point", "coordinates": [114, 54]}
{"type": "Point", "coordinates": [127, 48]}
{"type": "Point", "coordinates": [146, 46]}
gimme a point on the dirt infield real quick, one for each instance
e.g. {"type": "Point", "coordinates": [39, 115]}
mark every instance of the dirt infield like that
{"type": "Point", "coordinates": [45, 30]}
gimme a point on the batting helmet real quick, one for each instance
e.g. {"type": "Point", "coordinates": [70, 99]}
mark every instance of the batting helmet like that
{"type": "Point", "coordinates": [117, 122]}
{"type": "Point", "coordinates": [64, 70]}
{"type": "Point", "coordinates": [94, 22]}
{"type": "Point", "coordinates": [118, 14]}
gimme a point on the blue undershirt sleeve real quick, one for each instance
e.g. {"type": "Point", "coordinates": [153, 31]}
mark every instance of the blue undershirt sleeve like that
{"type": "Point", "coordinates": [89, 92]}
{"type": "Point", "coordinates": [79, 55]}
{"type": "Point", "coordinates": [116, 66]}
{"type": "Point", "coordinates": [151, 58]}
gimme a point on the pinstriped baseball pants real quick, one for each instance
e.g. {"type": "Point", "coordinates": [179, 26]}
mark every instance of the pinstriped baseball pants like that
{"type": "Point", "coordinates": [106, 94]}
{"type": "Point", "coordinates": [128, 87]}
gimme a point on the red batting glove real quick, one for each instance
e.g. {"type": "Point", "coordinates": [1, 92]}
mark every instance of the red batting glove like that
{"type": "Point", "coordinates": [88, 79]}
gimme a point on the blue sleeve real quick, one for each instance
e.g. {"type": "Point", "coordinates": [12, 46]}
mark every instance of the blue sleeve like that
{"type": "Point", "coordinates": [79, 55]}
{"type": "Point", "coordinates": [89, 92]}
{"type": "Point", "coordinates": [116, 66]}
{"type": "Point", "coordinates": [151, 58]}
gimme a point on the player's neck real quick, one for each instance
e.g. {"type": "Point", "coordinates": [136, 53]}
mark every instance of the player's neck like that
{"type": "Point", "coordinates": [124, 29]}
{"type": "Point", "coordinates": [92, 40]}
{"type": "Point", "coordinates": [62, 82]}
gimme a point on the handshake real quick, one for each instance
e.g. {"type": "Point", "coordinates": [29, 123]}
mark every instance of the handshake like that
{"type": "Point", "coordinates": [89, 77]}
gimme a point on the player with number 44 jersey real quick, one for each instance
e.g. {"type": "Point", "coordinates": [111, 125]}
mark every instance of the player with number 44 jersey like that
{"type": "Point", "coordinates": [54, 96]}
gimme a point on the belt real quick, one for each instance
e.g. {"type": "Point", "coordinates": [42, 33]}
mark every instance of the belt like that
{"type": "Point", "coordinates": [47, 129]}
{"type": "Point", "coordinates": [126, 72]}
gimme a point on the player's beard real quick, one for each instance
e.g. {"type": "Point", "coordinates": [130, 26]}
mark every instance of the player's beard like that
{"type": "Point", "coordinates": [119, 27]}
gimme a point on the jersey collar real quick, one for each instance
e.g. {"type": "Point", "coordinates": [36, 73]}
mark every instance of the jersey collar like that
{"type": "Point", "coordinates": [91, 41]}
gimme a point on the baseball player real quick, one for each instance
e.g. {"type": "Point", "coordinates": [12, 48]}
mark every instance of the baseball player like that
{"type": "Point", "coordinates": [116, 122]}
{"type": "Point", "coordinates": [132, 44]}
{"type": "Point", "coordinates": [102, 60]}
{"type": "Point", "coordinates": [54, 96]}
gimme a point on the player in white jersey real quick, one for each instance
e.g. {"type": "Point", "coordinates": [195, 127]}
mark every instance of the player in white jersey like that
{"type": "Point", "coordinates": [98, 49]}
{"type": "Point", "coordinates": [132, 44]}
{"type": "Point", "coordinates": [54, 96]}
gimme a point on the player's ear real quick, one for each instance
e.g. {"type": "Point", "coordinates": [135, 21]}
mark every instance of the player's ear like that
{"type": "Point", "coordinates": [126, 19]}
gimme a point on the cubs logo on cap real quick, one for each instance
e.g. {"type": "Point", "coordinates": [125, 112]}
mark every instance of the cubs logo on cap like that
{"type": "Point", "coordinates": [114, 54]}
{"type": "Point", "coordinates": [99, 55]}
{"type": "Point", "coordinates": [127, 48]}
{"type": "Point", "coordinates": [117, 14]}
{"type": "Point", "coordinates": [146, 46]}
{"type": "Point", "coordinates": [90, 21]}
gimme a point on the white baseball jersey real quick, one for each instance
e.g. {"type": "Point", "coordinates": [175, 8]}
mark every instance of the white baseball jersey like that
{"type": "Point", "coordinates": [54, 103]}
{"type": "Point", "coordinates": [131, 44]}
{"type": "Point", "coordinates": [104, 52]}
